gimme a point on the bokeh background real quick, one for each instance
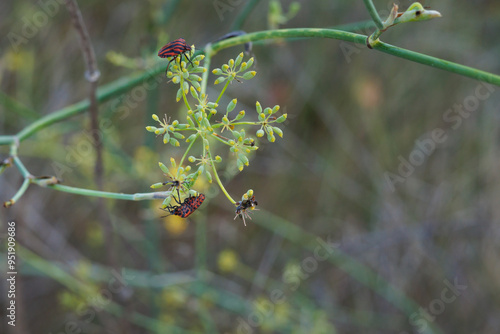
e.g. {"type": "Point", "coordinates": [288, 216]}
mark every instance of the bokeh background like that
{"type": "Point", "coordinates": [354, 115]}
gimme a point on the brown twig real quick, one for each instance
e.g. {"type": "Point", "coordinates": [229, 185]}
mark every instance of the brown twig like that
{"type": "Point", "coordinates": [92, 75]}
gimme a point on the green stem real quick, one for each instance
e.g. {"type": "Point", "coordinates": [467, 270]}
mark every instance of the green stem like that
{"type": "Point", "coordinates": [105, 194]}
{"type": "Point", "coordinates": [373, 13]}
{"type": "Point", "coordinates": [184, 95]}
{"type": "Point", "coordinates": [104, 93]}
{"type": "Point", "coordinates": [228, 81]}
{"type": "Point", "coordinates": [22, 169]}
{"type": "Point", "coordinates": [18, 194]}
{"type": "Point", "coordinates": [206, 65]}
{"type": "Point", "coordinates": [7, 140]}
{"type": "Point", "coordinates": [438, 63]}
{"type": "Point", "coordinates": [186, 153]}
{"type": "Point", "coordinates": [218, 179]}
{"type": "Point", "coordinates": [361, 39]}
{"type": "Point", "coordinates": [220, 139]}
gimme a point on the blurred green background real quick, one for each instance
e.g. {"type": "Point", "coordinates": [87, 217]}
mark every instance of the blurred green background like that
{"type": "Point", "coordinates": [354, 115]}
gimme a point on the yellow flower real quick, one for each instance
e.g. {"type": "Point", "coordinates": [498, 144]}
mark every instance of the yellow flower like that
{"type": "Point", "coordinates": [175, 225]}
{"type": "Point", "coordinates": [227, 261]}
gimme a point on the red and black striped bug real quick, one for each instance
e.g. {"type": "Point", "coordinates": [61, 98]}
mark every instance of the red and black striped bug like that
{"type": "Point", "coordinates": [175, 49]}
{"type": "Point", "coordinates": [185, 208]}
{"type": "Point", "coordinates": [242, 206]}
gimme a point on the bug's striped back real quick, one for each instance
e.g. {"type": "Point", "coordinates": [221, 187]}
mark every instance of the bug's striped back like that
{"type": "Point", "coordinates": [174, 48]}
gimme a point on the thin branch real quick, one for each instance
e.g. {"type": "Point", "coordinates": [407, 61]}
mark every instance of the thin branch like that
{"type": "Point", "coordinates": [373, 13]}
{"type": "Point", "coordinates": [92, 75]}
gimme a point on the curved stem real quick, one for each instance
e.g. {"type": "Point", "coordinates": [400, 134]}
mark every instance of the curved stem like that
{"type": "Point", "coordinates": [218, 179]}
{"type": "Point", "coordinates": [361, 39]}
{"type": "Point", "coordinates": [206, 65]}
{"type": "Point", "coordinates": [373, 13]}
{"type": "Point", "coordinates": [18, 194]}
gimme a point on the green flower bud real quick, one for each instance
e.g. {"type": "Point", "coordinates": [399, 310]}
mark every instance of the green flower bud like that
{"type": "Point", "coordinates": [260, 133]}
{"type": "Point", "coordinates": [271, 137]}
{"type": "Point", "coordinates": [238, 60]}
{"type": "Point", "coordinates": [217, 71]}
{"type": "Point", "coordinates": [231, 63]}
{"type": "Point", "coordinates": [218, 158]}
{"type": "Point", "coordinates": [191, 138]}
{"type": "Point", "coordinates": [191, 159]}
{"type": "Point", "coordinates": [249, 75]}
{"type": "Point", "coordinates": [174, 142]}
{"type": "Point", "coordinates": [176, 79]}
{"type": "Point", "coordinates": [282, 118]}
{"type": "Point", "coordinates": [151, 128]}
{"type": "Point", "coordinates": [212, 105]}
{"type": "Point", "coordinates": [166, 202]}
{"type": "Point", "coordinates": [250, 193]}
{"type": "Point", "coordinates": [250, 62]}
{"type": "Point", "coordinates": [236, 134]}
{"type": "Point", "coordinates": [225, 120]}
{"type": "Point", "coordinates": [232, 142]}
{"type": "Point", "coordinates": [188, 168]}
{"type": "Point", "coordinates": [278, 131]}
{"type": "Point", "coordinates": [243, 67]}
{"type": "Point", "coordinates": [155, 117]}
{"type": "Point", "coordinates": [206, 144]}
{"type": "Point", "coordinates": [275, 109]}
{"type": "Point", "coordinates": [240, 164]}
{"type": "Point", "coordinates": [258, 107]}
{"type": "Point", "coordinates": [268, 111]}
{"type": "Point", "coordinates": [163, 168]}
{"type": "Point", "coordinates": [157, 185]}
{"type": "Point", "coordinates": [209, 176]}
{"type": "Point", "coordinates": [194, 93]}
{"type": "Point", "coordinates": [225, 67]}
{"type": "Point", "coordinates": [190, 122]}
{"type": "Point", "coordinates": [243, 158]}
{"type": "Point", "coordinates": [166, 138]}
{"type": "Point", "coordinates": [240, 115]}
{"type": "Point", "coordinates": [185, 87]}
{"type": "Point", "coordinates": [175, 123]}
{"type": "Point", "coordinates": [196, 85]}
{"type": "Point", "coordinates": [172, 163]}
{"type": "Point", "coordinates": [220, 80]}
{"type": "Point", "coordinates": [262, 117]}
{"type": "Point", "coordinates": [179, 95]}
{"type": "Point", "coordinates": [182, 126]}
{"type": "Point", "coordinates": [200, 170]}
{"type": "Point", "coordinates": [194, 78]}
{"type": "Point", "coordinates": [231, 105]}
{"type": "Point", "coordinates": [179, 135]}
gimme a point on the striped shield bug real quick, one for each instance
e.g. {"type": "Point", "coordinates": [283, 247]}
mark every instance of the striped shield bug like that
{"type": "Point", "coordinates": [185, 208]}
{"type": "Point", "coordinates": [175, 49]}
